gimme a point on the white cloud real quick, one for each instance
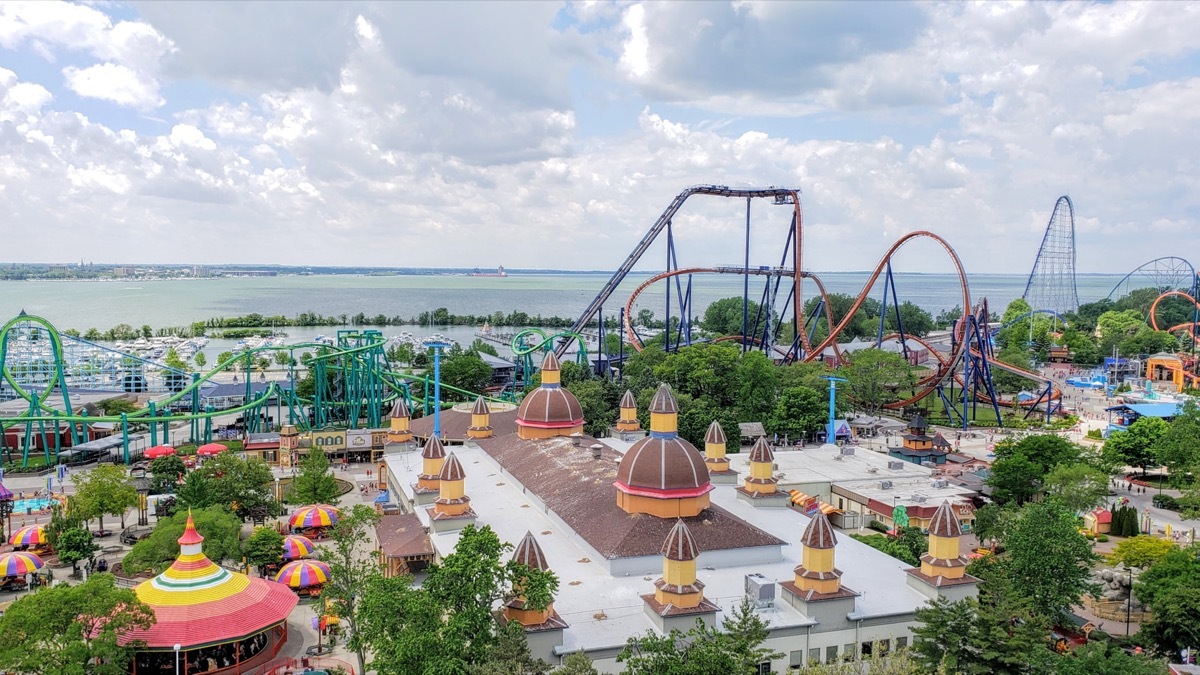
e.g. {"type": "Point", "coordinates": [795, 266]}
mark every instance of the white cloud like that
{"type": "Point", "coordinates": [115, 83]}
{"type": "Point", "coordinates": [27, 97]}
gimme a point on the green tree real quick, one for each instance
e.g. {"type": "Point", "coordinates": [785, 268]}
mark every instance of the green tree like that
{"type": "Point", "coordinates": [1048, 559]}
{"type": "Point", "coordinates": [746, 632]}
{"type": "Point", "coordinates": [1018, 357]}
{"type": "Point", "coordinates": [1178, 448]}
{"type": "Point", "coordinates": [576, 663]}
{"type": "Point", "coordinates": [876, 378]}
{"type": "Point", "coordinates": [479, 346]}
{"type": "Point", "coordinates": [599, 412]}
{"type": "Point", "coordinates": [1176, 622]}
{"type": "Point", "coordinates": [701, 651]}
{"type": "Point", "coordinates": [1014, 479]}
{"type": "Point", "coordinates": [164, 471]}
{"type": "Point", "coordinates": [467, 372]}
{"type": "Point", "coordinates": [1134, 446]}
{"type": "Point", "coordinates": [351, 570]}
{"type": "Point", "coordinates": [173, 360]}
{"type": "Point", "coordinates": [314, 484]}
{"type": "Point", "coordinates": [196, 492]}
{"type": "Point", "coordinates": [1105, 658]}
{"type": "Point", "coordinates": [400, 626]}
{"type": "Point", "coordinates": [510, 655]}
{"type": "Point", "coordinates": [1179, 568]}
{"type": "Point", "coordinates": [224, 357]}
{"type": "Point", "coordinates": [917, 321]}
{"type": "Point", "coordinates": [105, 490]}
{"type": "Point", "coordinates": [1077, 487]}
{"type": "Point", "coordinates": [991, 521]}
{"type": "Point", "coordinates": [263, 547]}
{"type": "Point", "coordinates": [799, 411]}
{"type": "Point", "coordinates": [240, 485]}
{"type": "Point", "coordinates": [724, 317]}
{"type": "Point", "coordinates": [220, 529]}
{"type": "Point", "coordinates": [1141, 551]}
{"type": "Point", "coordinates": [758, 385]}
{"type": "Point", "coordinates": [200, 359]}
{"type": "Point", "coordinates": [74, 545]}
{"type": "Point", "coordinates": [73, 629]}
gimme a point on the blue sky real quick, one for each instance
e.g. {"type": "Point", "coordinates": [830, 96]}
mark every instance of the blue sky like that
{"type": "Point", "coordinates": [552, 135]}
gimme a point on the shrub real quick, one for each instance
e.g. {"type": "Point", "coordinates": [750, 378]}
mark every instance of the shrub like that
{"type": "Point", "coordinates": [1102, 538]}
{"type": "Point", "coordinates": [1096, 434]}
{"type": "Point", "coordinates": [1165, 502]}
{"type": "Point", "coordinates": [877, 526]}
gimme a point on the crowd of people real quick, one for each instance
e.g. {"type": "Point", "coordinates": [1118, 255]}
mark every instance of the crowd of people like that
{"type": "Point", "coordinates": [208, 659]}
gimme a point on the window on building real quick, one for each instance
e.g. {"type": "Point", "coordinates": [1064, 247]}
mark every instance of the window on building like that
{"type": "Point", "coordinates": [796, 659]}
{"type": "Point", "coordinates": [840, 504]}
{"type": "Point", "coordinates": [901, 642]}
{"type": "Point", "coordinates": [764, 668]}
{"type": "Point", "coordinates": [848, 652]}
{"type": "Point", "coordinates": [831, 654]}
{"type": "Point", "coordinates": [814, 655]}
{"type": "Point", "coordinates": [866, 649]}
{"type": "Point", "coordinates": [883, 647]}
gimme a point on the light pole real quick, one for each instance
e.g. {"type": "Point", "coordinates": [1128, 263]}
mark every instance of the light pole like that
{"type": "Point", "coordinates": [177, 648]}
{"type": "Point", "coordinates": [830, 431]}
{"type": "Point", "coordinates": [437, 385]}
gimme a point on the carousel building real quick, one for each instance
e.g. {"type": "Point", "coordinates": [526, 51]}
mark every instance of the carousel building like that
{"type": "Point", "coordinates": [220, 621]}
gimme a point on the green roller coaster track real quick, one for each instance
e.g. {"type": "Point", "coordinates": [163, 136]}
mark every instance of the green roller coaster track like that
{"type": "Point", "coordinates": [524, 350]}
{"type": "Point", "coordinates": [354, 384]}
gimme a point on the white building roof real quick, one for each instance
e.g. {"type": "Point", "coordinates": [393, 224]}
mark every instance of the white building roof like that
{"type": "Point", "coordinates": [822, 464]}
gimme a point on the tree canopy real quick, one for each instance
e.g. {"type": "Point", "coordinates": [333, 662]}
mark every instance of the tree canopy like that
{"type": "Point", "coordinates": [105, 490]}
{"type": "Point", "coordinates": [220, 529]}
{"type": "Point", "coordinates": [315, 483]}
{"type": "Point", "coordinates": [876, 378]}
{"type": "Point", "coordinates": [1135, 446]}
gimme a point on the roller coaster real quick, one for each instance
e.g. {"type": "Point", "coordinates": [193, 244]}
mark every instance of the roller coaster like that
{"type": "Point", "coordinates": [960, 379]}
{"type": "Point", "coordinates": [353, 385]}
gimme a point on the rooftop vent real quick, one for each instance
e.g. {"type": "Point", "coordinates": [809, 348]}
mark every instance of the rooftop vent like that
{"type": "Point", "coordinates": [895, 466]}
{"type": "Point", "coordinates": [872, 469]}
{"type": "Point", "coordinates": [596, 450]}
{"type": "Point", "coordinates": [576, 438]}
{"type": "Point", "coordinates": [760, 591]}
{"type": "Point", "coordinates": [847, 450]}
{"type": "Point", "coordinates": [941, 483]}
{"type": "Point", "coordinates": [920, 499]}
{"type": "Point", "coordinates": [885, 485]}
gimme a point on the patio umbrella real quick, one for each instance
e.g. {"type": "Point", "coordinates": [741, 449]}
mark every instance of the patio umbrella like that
{"type": "Point", "coordinates": [5, 493]}
{"type": "Point", "coordinates": [30, 535]}
{"type": "Point", "coordinates": [296, 546]}
{"type": "Point", "coordinates": [19, 563]}
{"type": "Point", "coordinates": [302, 573]}
{"type": "Point", "coordinates": [210, 449]}
{"type": "Point", "coordinates": [159, 451]}
{"type": "Point", "coordinates": [317, 515]}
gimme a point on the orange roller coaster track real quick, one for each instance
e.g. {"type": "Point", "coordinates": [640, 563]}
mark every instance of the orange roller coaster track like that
{"type": "Point", "coordinates": [1189, 326]}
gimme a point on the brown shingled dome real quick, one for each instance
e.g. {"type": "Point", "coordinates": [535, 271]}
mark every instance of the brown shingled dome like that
{"type": "Point", "coordinates": [715, 434]}
{"type": "Point", "coordinates": [761, 452]}
{"type": "Point", "coordinates": [433, 448]}
{"type": "Point", "coordinates": [664, 402]}
{"type": "Point", "coordinates": [679, 544]}
{"type": "Point", "coordinates": [480, 407]}
{"type": "Point", "coordinates": [628, 401]}
{"type": "Point", "coordinates": [663, 465]}
{"type": "Point", "coordinates": [452, 470]}
{"type": "Point", "coordinates": [944, 523]}
{"type": "Point", "coordinates": [550, 408]}
{"type": "Point", "coordinates": [819, 533]}
{"type": "Point", "coordinates": [399, 408]}
{"type": "Point", "coordinates": [528, 553]}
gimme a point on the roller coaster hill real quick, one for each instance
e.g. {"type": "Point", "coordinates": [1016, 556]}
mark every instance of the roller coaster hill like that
{"type": "Point", "coordinates": [789, 330]}
{"type": "Point", "coordinates": [53, 382]}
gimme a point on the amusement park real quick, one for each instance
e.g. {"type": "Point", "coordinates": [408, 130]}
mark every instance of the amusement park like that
{"type": "Point", "coordinates": [861, 416]}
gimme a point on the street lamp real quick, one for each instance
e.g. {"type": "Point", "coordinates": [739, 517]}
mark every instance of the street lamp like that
{"type": "Point", "coordinates": [177, 648]}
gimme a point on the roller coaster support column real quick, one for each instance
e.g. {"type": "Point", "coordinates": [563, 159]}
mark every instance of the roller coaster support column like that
{"type": "Point", "coordinates": [154, 425]}
{"type": "Point", "coordinates": [125, 436]}
{"type": "Point", "coordinates": [194, 423]}
{"type": "Point", "coordinates": [437, 386]}
{"type": "Point", "coordinates": [830, 431]}
{"type": "Point", "coordinates": [746, 284]}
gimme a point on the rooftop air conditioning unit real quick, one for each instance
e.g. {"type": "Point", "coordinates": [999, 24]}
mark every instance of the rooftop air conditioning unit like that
{"type": "Point", "coordinates": [885, 485]}
{"type": "Point", "coordinates": [847, 450]}
{"type": "Point", "coordinates": [920, 499]}
{"type": "Point", "coordinates": [760, 591]}
{"type": "Point", "coordinates": [941, 483]}
{"type": "Point", "coordinates": [895, 466]}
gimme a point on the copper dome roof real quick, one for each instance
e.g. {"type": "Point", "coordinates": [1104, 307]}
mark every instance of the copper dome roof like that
{"type": "Point", "coordinates": [944, 523]}
{"type": "Point", "coordinates": [452, 470]}
{"type": "Point", "coordinates": [400, 408]}
{"type": "Point", "coordinates": [679, 544]}
{"type": "Point", "coordinates": [664, 402]}
{"type": "Point", "coordinates": [480, 407]}
{"type": "Point", "coordinates": [551, 408]}
{"type": "Point", "coordinates": [819, 533]}
{"type": "Point", "coordinates": [761, 452]}
{"type": "Point", "coordinates": [628, 401]}
{"type": "Point", "coordinates": [663, 467]}
{"type": "Point", "coordinates": [715, 434]}
{"type": "Point", "coordinates": [433, 448]}
{"type": "Point", "coordinates": [528, 553]}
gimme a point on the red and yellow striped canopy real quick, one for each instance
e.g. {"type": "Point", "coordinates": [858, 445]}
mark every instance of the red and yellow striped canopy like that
{"type": "Point", "coordinates": [19, 563]}
{"type": "Point", "coordinates": [317, 515]}
{"type": "Point", "coordinates": [197, 602]}
{"type": "Point", "coordinates": [297, 546]}
{"type": "Point", "coordinates": [303, 573]}
{"type": "Point", "coordinates": [30, 535]}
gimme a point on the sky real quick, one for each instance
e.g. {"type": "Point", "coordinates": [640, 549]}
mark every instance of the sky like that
{"type": "Point", "coordinates": [539, 134]}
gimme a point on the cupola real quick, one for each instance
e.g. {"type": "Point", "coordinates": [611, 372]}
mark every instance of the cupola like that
{"type": "Point", "coordinates": [480, 420]}
{"type": "Point", "coordinates": [662, 474]}
{"type": "Point", "coordinates": [529, 553]}
{"type": "Point", "coordinates": [678, 593]}
{"type": "Point", "coordinates": [452, 509]}
{"type": "Point", "coordinates": [398, 431]}
{"type": "Point", "coordinates": [629, 419]}
{"type": "Point", "coordinates": [550, 410]}
{"type": "Point", "coordinates": [714, 455]}
{"type": "Point", "coordinates": [433, 457]}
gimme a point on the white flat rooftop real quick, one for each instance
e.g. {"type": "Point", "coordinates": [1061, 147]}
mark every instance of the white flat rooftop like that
{"type": "Point", "coordinates": [587, 590]}
{"type": "Point", "coordinates": [822, 464]}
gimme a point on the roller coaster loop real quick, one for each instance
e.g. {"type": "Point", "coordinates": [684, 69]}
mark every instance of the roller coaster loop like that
{"type": "Point", "coordinates": [1189, 326]}
{"type": "Point", "coordinates": [525, 349]}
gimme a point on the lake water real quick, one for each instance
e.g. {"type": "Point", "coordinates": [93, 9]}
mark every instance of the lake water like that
{"type": "Point", "coordinates": [86, 304]}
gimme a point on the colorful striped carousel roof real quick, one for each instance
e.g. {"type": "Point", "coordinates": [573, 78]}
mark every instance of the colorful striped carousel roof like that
{"type": "Point", "coordinates": [197, 602]}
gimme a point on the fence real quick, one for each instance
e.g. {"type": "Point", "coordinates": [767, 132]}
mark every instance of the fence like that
{"type": "Point", "coordinates": [287, 666]}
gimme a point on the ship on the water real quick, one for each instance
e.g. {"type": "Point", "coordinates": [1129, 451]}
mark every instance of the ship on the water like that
{"type": "Point", "coordinates": [498, 273]}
